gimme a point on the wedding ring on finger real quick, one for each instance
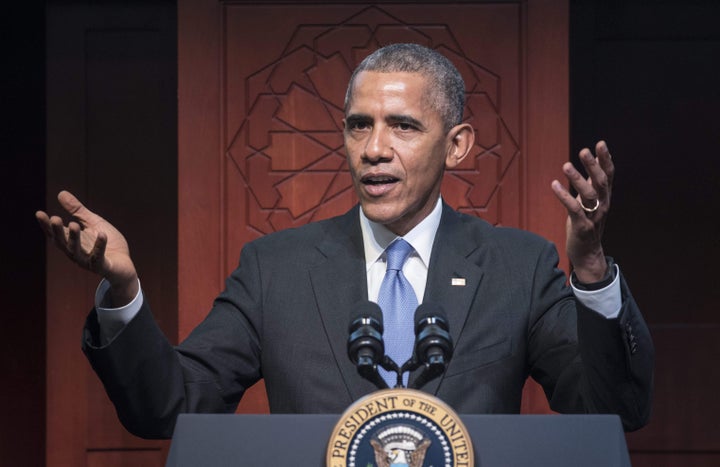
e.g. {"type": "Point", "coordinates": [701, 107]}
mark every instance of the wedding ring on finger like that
{"type": "Point", "coordinates": [592, 209]}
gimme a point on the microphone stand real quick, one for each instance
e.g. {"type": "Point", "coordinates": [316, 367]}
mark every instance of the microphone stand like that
{"type": "Point", "coordinates": [389, 365]}
{"type": "Point", "coordinates": [368, 370]}
{"type": "Point", "coordinates": [434, 367]}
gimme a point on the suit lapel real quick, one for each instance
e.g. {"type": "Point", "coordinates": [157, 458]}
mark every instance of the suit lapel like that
{"type": "Point", "coordinates": [453, 279]}
{"type": "Point", "coordinates": [339, 283]}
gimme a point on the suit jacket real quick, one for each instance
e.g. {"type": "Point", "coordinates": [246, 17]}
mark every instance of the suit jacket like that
{"type": "Point", "coordinates": [285, 312]}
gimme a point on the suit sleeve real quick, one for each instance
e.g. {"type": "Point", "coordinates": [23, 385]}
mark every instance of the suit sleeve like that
{"type": "Point", "coordinates": [585, 362]}
{"type": "Point", "coordinates": [624, 346]}
{"type": "Point", "coordinates": [150, 382]}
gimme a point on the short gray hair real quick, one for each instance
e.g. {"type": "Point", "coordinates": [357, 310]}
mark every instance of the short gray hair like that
{"type": "Point", "coordinates": [446, 86]}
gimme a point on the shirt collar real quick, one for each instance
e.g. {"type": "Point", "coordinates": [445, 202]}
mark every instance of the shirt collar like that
{"type": "Point", "coordinates": [377, 237]}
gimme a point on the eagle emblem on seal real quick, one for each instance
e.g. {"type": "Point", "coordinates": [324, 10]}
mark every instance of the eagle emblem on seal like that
{"type": "Point", "coordinates": [400, 446]}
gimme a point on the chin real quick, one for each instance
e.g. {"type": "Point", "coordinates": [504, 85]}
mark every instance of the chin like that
{"type": "Point", "coordinates": [379, 214]}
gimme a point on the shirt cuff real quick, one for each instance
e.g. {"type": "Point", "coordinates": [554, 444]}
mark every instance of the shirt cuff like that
{"type": "Point", "coordinates": [607, 300]}
{"type": "Point", "coordinates": [113, 320]}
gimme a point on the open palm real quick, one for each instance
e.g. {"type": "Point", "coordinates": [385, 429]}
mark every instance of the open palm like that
{"type": "Point", "coordinates": [91, 242]}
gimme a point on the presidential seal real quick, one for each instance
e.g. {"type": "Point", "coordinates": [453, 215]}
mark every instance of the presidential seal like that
{"type": "Point", "coordinates": [399, 427]}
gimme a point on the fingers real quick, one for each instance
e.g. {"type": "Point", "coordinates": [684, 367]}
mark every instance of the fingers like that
{"type": "Point", "coordinates": [58, 233]}
{"type": "Point", "coordinates": [583, 186]}
{"type": "Point", "coordinates": [44, 221]}
{"type": "Point", "coordinates": [568, 200]}
{"type": "Point", "coordinates": [600, 170]}
{"type": "Point", "coordinates": [84, 239]}
{"type": "Point", "coordinates": [594, 190]}
{"type": "Point", "coordinates": [605, 161]}
{"type": "Point", "coordinates": [74, 246]}
{"type": "Point", "coordinates": [54, 227]}
{"type": "Point", "coordinates": [97, 254]}
{"type": "Point", "coordinates": [70, 239]}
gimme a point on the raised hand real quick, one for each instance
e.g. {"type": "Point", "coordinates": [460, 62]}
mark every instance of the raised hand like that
{"type": "Point", "coordinates": [587, 212]}
{"type": "Point", "coordinates": [94, 244]}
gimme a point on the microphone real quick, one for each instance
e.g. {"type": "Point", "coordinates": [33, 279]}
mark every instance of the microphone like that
{"type": "Point", "coordinates": [365, 345]}
{"type": "Point", "coordinates": [433, 343]}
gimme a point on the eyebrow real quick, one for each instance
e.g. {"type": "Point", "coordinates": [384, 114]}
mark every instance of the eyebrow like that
{"type": "Point", "coordinates": [357, 118]}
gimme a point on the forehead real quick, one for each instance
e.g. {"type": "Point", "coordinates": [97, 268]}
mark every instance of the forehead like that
{"type": "Point", "coordinates": [377, 90]}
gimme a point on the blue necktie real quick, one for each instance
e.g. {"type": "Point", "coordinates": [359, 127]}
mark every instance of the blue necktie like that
{"type": "Point", "coordinates": [398, 302]}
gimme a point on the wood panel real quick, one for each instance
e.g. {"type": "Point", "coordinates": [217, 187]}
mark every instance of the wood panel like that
{"type": "Point", "coordinates": [684, 416]}
{"type": "Point", "coordinates": [260, 111]}
{"type": "Point", "coordinates": [546, 97]}
{"type": "Point", "coordinates": [112, 141]}
{"type": "Point", "coordinates": [645, 77]}
{"type": "Point", "coordinates": [148, 458]}
{"type": "Point", "coordinates": [671, 459]}
{"type": "Point", "coordinates": [284, 163]}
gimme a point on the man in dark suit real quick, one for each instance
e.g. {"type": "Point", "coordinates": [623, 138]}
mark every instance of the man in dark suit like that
{"type": "Point", "coordinates": [285, 310]}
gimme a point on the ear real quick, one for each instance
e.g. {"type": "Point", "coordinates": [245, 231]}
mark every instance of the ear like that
{"type": "Point", "coordinates": [461, 139]}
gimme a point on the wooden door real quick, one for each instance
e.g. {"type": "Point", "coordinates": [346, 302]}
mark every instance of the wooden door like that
{"type": "Point", "coordinates": [261, 91]}
{"type": "Point", "coordinates": [111, 140]}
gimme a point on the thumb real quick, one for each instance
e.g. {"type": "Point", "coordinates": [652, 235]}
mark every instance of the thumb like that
{"type": "Point", "coordinates": [73, 205]}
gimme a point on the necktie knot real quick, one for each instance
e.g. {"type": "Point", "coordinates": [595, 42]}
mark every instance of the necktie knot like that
{"type": "Point", "coordinates": [397, 253]}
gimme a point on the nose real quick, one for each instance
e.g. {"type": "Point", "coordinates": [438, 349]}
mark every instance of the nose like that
{"type": "Point", "coordinates": [377, 146]}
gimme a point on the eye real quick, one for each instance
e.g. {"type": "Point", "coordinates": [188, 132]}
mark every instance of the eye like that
{"type": "Point", "coordinates": [359, 125]}
{"type": "Point", "coordinates": [403, 126]}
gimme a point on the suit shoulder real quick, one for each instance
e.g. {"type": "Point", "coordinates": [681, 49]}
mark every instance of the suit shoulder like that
{"type": "Point", "coordinates": [499, 234]}
{"type": "Point", "coordinates": [298, 239]}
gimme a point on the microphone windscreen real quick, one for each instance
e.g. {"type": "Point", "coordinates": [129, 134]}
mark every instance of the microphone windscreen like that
{"type": "Point", "coordinates": [366, 309]}
{"type": "Point", "coordinates": [429, 310]}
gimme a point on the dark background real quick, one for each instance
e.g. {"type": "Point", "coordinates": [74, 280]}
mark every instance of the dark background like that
{"type": "Point", "coordinates": [644, 76]}
{"type": "Point", "coordinates": [22, 250]}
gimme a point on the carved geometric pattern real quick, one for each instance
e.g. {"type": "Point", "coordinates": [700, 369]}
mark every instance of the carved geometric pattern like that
{"type": "Point", "coordinates": [288, 149]}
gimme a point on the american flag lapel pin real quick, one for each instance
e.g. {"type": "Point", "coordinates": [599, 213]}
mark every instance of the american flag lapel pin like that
{"type": "Point", "coordinates": [457, 281]}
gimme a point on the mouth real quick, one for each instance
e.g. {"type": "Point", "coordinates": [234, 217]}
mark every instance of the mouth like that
{"type": "Point", "coordinates": [378, 180]}
{"type": "Point", "coordinates": [378, 185]}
